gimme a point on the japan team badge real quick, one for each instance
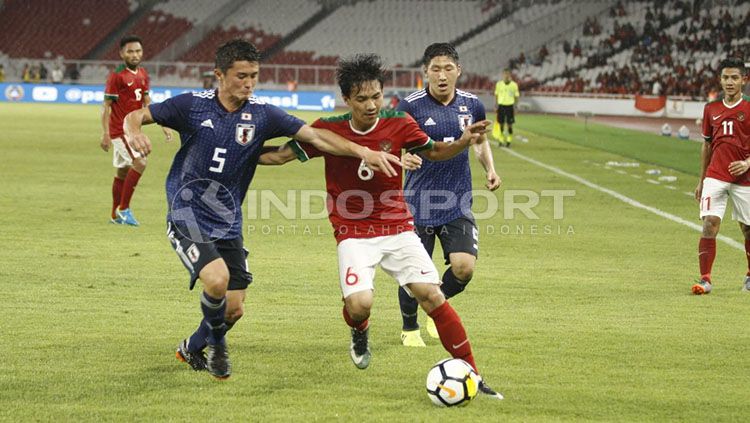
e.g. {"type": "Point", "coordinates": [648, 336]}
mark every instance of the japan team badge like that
{"type": "Point", "coordinates": [244, 133]}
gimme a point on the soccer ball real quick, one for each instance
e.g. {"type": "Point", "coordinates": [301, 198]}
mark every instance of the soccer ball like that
{"type": "Point", "coordinates": [452, 382]}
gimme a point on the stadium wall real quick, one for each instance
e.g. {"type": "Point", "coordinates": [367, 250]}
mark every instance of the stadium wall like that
{"type": "Point", "coordinates": [675, 107]}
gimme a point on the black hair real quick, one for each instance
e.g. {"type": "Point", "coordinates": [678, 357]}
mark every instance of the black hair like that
{"type": "Point", "coordinates": [130, 39]}
{"type": "Point", "coordinates": [439, 49]}
{"type": "Point", "coordinates": [733, 62]}
{"type": "Point", "coordinates": [236, 50]}
{"type": "Point", "coordinates": [352, 72]}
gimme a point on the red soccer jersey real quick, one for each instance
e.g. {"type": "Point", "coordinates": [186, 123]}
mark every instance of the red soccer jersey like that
{"type": "Point", "coordinates": [126, 89]}
{"type": "Point", "coordinates": [728, 130]}
{"type": "Point", "coordinates": [363, 203]}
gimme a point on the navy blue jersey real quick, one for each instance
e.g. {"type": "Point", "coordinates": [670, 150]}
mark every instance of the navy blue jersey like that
{"type": "Point", "coordinates": [216, 161]}
{"type": "Point", "coordinates": [440, 191]}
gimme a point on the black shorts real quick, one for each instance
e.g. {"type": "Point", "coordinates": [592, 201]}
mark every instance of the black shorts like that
{"type": "Point", "coordinates": [195, 255]}
{"type": "Point", "coordinates": [457, 236]}
{"type": "Point", "coordinates": [505, 114]}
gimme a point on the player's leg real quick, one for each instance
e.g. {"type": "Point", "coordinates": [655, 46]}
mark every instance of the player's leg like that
{"type": "Point", "coordinates": [460, 241]}
{"type": "Point", "coordinates": [501, 118]}
{"type": "Point", "coordinates": [410, 335]}
{"type": "Point", "coordinates": [137, 165]}
{"type": "Point", "coordinates": [122, 165]}
{"type": "Point", "coordinates": [713, 203]}
{"type": "Point", "coordinates": [741, 213]}
{"type": "Point", "coordinates": [357, 260]}
{"type": "Point", "coordinates": [511, 119]}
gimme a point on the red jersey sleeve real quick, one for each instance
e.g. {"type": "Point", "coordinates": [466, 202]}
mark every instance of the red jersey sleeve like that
{"type": "Point", "coordinates": [414, 138]}
{"type": "Point", "coordinates": [147, 84]}
{"type": "Point", "coordinates": [306, 151]}
{"type": "Point", "coordinates": [111, 90]}
{"type": "Point", "coordinates": [706, 125]}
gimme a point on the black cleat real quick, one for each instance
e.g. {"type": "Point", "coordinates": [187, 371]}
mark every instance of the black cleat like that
{"type": "Point", "coordinates": [218, 363]}
{"type": "Point", "coordinates": [196, 360]}
{"type": "Point", "coordinates": [486, 390]}
{"type": "Point", "coordinates": [359, 350]}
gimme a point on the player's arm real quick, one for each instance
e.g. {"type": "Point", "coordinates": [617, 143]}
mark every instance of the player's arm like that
{"type": "Point", "coordinates": [167, 132]}
{"type": "Point", "coordinates": [133, 127]}
{"type": "Point", "coordinates": [473, 134]}
{"type": "Point", "coordinates": [484, 155]}
{"type": "Point", "coordinates": [332, 143]}
{"type": "Point", "coordinates": [271, 156]}
{"type": "Point", "coordinates": [106, 141]}
{"type": "Point", "coordinates": [706, 152]}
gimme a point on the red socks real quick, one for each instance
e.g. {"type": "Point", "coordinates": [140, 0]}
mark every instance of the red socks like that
{"type": "Point", "coordinates": [360, 326]}
{"type": "Point", "coordinates": [452, 333]}
{"type": "Point", "coordinates": [747, 254]}
{"type": "Point", "coordinates": [131, 180]}
{"type": "Point", "coordinates": [116, 194]}
{"type": "Point", "coordinates": [706, 256]}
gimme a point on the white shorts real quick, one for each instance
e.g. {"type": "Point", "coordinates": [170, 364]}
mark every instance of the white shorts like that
{"type": "Point", "coordinates": [122, 154]}
{"type": "Point", "coordinates": [714, 200]}
{"type": "Point", "coordinates": [402, 256]}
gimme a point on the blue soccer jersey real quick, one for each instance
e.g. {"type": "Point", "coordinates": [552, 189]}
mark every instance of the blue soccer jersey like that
{"type": "Point", "coordinates": [440, 191]}
{"type": "Point", "coordinates": [216, 161]}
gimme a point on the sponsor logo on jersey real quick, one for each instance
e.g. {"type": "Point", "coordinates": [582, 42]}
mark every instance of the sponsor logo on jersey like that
{"type": "Point", "coordinates": [465, 120]}
{"type": "Point", "coordinates": [429, 122]}
{"type": "Point", "coordinates": [208, 124]}
{"type": "Point", "coordinates": [244, 133]}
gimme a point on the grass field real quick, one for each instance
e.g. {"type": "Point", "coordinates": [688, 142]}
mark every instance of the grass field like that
{"type": "Point", "coordinates": [584, 318]}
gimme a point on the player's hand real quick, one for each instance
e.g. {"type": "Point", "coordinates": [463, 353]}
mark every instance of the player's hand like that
{"type": "Point", "coordinates": [106, 142]}
{"type": "Point", "coordinates": [381, 161]}
{"type": "Point", "coordinates": [167, 133]}
{"type": "Point", "coordinates": [739, 167]}
{"type": "Point", "coordinates": [698, 191]}
{"type": "Point", "coordinates": [140, 143]}
{"type": "Point", "coordinates": [411, 161]}
{"type": "Point", "coordinates": [475, 131]}
{"type": "Point", "coordinates": [493, 181]}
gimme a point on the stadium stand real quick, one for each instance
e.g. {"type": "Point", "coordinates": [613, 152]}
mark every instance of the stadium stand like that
{"type": "Point", "coordinates": [51, 28]}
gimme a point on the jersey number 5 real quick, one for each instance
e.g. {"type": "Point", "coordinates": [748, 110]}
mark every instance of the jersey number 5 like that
{"type": "Point", "coordinates": [219, 159]}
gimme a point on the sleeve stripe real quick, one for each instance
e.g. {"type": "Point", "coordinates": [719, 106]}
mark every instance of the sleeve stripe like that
{"type": "Point", "coordinates": [428, 144]}
{"type": "Point", "coordinates": [298, 151]}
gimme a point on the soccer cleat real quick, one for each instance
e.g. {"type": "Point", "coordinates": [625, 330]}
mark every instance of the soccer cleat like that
{"type": "Point", "coordinates": [412, 338]}
{"type": "Point", "coordinates": [486, 390]}
{"type": "Point", "coordinates": [217, 362]}
{"type": "Point", "coordinates": [359, 350]}
{"type": "Point", "coordinates": [196, 360]}
{"type": "Point", "coordinates": [116, 221]}
{"type": "Point", "coordinates": [507, 144]}
{"type": "Point", "coordinates": [746, 285]}
{"type": "Point", "coordinates": [702, 287]}
{"type": "Point", "coordinates": [432, 329]}
{"type": "Point", "coordinates": [127, 217]}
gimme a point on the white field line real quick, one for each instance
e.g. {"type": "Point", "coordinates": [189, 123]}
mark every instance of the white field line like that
{"type": "Point", "coordinates": [623, 198]}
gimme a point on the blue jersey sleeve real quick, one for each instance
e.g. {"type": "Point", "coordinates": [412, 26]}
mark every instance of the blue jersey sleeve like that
{"type": "Point", "coordinates": [403, 106]}
{"type": "Point", "coordinates": [283, 124]}
{"type": "Point", "coordinates": [479, 112]}
{"type": "Point", "coordinates": [173, 112]}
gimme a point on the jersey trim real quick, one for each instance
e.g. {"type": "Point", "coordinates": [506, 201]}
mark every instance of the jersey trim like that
{"type": "Point", "coordinates": [298, 151]}
{"type": "Point", "coordinates": [465, 94]}
{"type": "Point", "coordinates": [428, 145]}
{"type": "Point", "coordinates": [415, 96]}
{"type": "Point", "coordinates": [112, 97]}
{"type": "Point", "coordinates": [337, 118]}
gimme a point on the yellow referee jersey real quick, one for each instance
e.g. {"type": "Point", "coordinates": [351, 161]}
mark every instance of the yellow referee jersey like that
{"type": "Point", "coordinates": [506, 94]}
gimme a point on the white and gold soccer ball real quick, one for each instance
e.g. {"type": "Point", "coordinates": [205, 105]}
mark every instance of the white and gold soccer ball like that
{"type": "Point", "coordinates": [452, 382]}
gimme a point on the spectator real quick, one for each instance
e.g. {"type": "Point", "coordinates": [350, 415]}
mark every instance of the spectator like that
{"type": "Point", "coordinates": [2, 72]}
{"type": "Point", "coordinates": [57, 75]}
{"type": "Point", "coordinates": [43, 72]}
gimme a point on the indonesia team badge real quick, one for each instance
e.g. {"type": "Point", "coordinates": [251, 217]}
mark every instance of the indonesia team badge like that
{"type": "Point", "coordinates": [244, 133]}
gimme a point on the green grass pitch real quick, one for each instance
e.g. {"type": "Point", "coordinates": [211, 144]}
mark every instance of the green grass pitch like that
{"type": "Point", "coordinates": [587, 317]}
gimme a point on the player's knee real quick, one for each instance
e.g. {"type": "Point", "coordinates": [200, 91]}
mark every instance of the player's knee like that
{"type": "Point", "coordinates": [711, 225]}
{"type": "Point", "coordinates": [139, 164]}
{"type": "Point", "coordinates": [430, 298]}
{"type": "Point", "coordinates": [359, 307]}
{"type": "Point", "coordinates": [463, 271]}
{"type": "Point", "coordinates": [234, 314]}
{"type": "Point", "coordinates": [215, 281]}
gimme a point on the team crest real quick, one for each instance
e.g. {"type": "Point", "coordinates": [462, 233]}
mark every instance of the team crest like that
{"type": "Point", "coordinates": [244, 133]}
{"type": "Point", "coordinates": [464, 121]}
{"type": "Point", "coordinates": [741, 116]}
{"type": "Point", "coordinates": [193, 253]}
{"type": "Point", "coordinates": [386, 145]}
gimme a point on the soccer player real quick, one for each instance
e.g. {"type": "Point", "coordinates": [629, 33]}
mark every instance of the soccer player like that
{"type": "Point", "coordinates": [126, 90]}
{"type": "Point", "coordinates": [371, 222]}
{"type": "Point", "coordinates": [506, 94]}
{"type": "Point", "coordinates": [724, 168]}
{"type": "Point", "coordinates": [443, 112]}
{"type": "Point", "coordinates": [222, 134]}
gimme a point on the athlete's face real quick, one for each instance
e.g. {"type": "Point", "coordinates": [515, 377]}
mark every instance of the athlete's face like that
{"type": "Point", "coordinates": [131, 54]}
{"type": "Point", "coordinates": [239, 81]}
{"type": "Point", "coordinates": [365, 102]}
{"type": "Point", "coordinates": [506, 76]}
{"type": "Point", "coordinates": [731, 82]}
{"type": "Point", "coordinates": [442, 73]}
